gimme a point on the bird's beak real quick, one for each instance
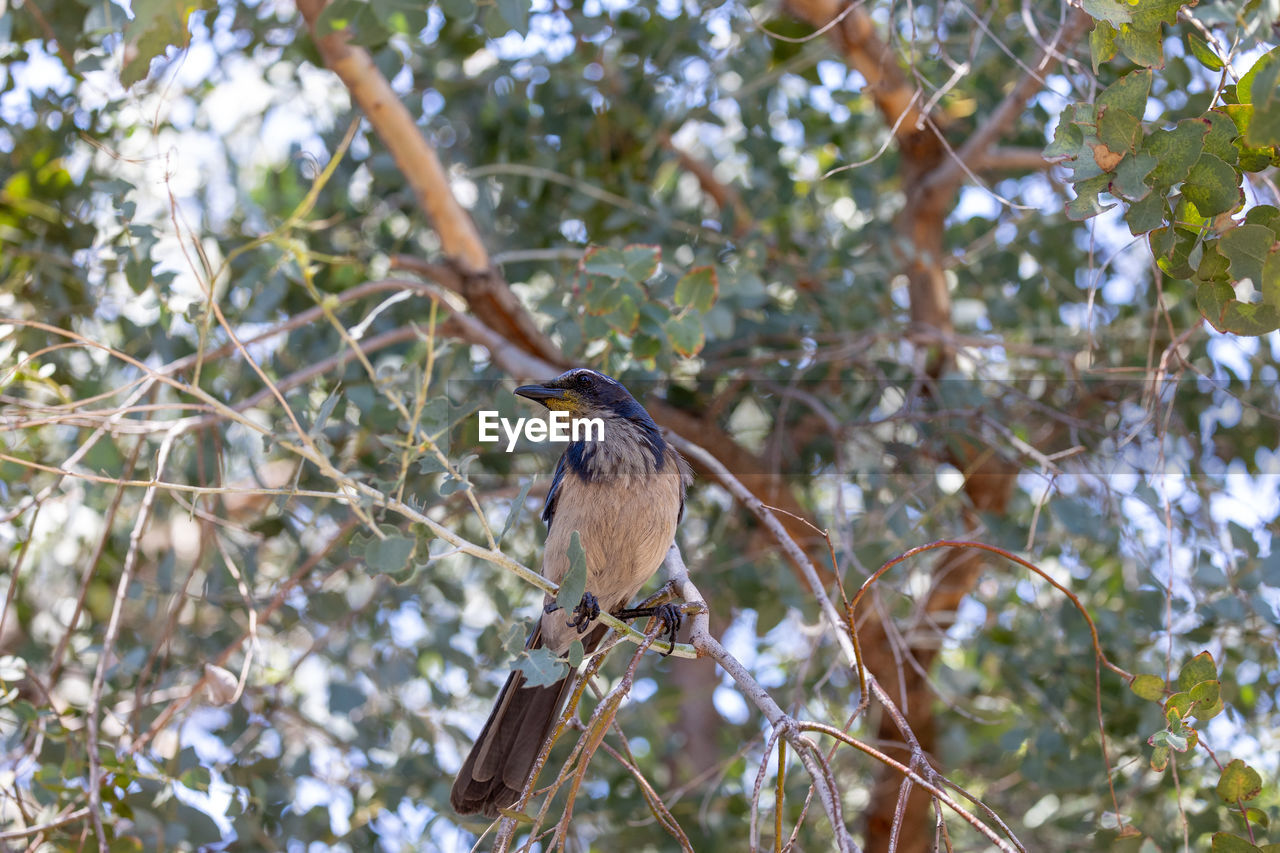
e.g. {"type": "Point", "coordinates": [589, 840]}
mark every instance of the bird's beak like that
{"type": "Point", "coordinates": [541, 393]}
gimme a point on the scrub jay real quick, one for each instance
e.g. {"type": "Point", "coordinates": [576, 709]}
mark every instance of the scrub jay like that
{"type": "Point", "coordinates": [624, 494]}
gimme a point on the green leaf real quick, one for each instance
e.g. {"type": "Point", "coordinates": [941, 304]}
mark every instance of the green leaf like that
{"type": "Point", "coordinates": [626, 316]}
{"type": "Point", "coordinates": [574, 582]}
{"type": "Point", "coordinates": [450, 484]}
{"type": "Point", "coordinates": [1086, 204]}
{"type": "Point", "coordinates": [1213, 265]}
{"type": "Point", "coordinates": [686, 334]}
{"type": "Point", "coordinates": [1264, 96]}
{"type": "Point", "coordinates": [1102, 44]}
{"type": "Point", "coordinates": [1177, 741]}
{"type": "Point", "coordinates": [1264, 214]}
{"type": "Point", "coordinates": [1200, 668]}
{"type": "Point", "coordinates": [1142, 39]}
{"type": "Point", "coordinates": [541, 667]}
{"type": "Point", "coordinates": [645, 346]}
{"type": "Point", "coordinates": [1129, 180]}
{"type": "Point", "coordinates": [1224, 843]}
{"type": "Point", "coordinates": [1171, 247]}
{"type": "Point", "coordinates": [1068, 138]}
{"type": "Point", "coordinates": [1111, 11]}
{"type": "Point", "coordinates": [1119, 130]}
{"type": "Point", "coordinates": [1128, 94]}
{"type": "Point", "coordinates": [575, 654]}
{"type": "Point", "coordinates": [1160, 758]}
{"type": "Point", "coordinates": [1176, 151]}
{"type": "Point", "coordinates": [1177, 706]}
{"type": "Point", "coordinates": [1212, 186]}
{"type": "Point", "coordinates": [514, 638]}
{"type": "Point", "coordinates": [1221, 139]}
{"type": "Point", "coordinates": [1201, 50]}
{"type": "Point", "coordinates": [434, 419]}
{"type": "Point", "coordinates": [1270, 285]}
{"type": "Point", "coordinates": [1254, 81]}
{"type": "Point", "coordinates": [698, 288]}
{"type": "Point", "coordinates": [1149, 687]}
{"type": "Point", "coordinates": [1251, 159]}
{"type": "Point", "coordinates": [1146, 215]}
{"type": "Point", "coordinates": [635, 263]}
{"type": "Point", "coordinates": [1217, 302]}
{"type": "Point", "coordinates": [1207, 696]}
{"type": "Point", "coordinates": [515, 13]}
{"type": "Point", "coordinates": [602, 296]}
{"type": "Point", "coordinates": [156, 25]}
{"type": "Point", "coordinates": [1143, 45]}
{"type": "Point", "coordinates": [430, 464]}
{"type": "Point", "coordinates": [389, 554]}
{"type": "Point", "coordinates": [1239, 782]}
{"type": "Point", "coordinates": [1246, 248]}
{"type": "Point", "coordinates": [517, 509]}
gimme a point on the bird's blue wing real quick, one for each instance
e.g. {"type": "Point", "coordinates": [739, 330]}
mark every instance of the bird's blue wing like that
{"type": "Point", "coordinates": [553, 494]}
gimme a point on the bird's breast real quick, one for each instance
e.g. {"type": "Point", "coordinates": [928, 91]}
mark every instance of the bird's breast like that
{"type": "Point", "coordinates": [626, 525]}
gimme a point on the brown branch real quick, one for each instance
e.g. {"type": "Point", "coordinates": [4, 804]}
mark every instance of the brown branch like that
{"type": "Point", "coordinates": [68, 61]}
{"type": "Point", "coordinates": [705, 642]}
{"type": "Point", "coordinates": [948, 176]}
{"type": "Point", "coordinates": [394, 124]}
{"type": "Point", "coordinates": [931, 180]}
{"type": "Point", "coordinates": [725, 196]}
{"type": "Point", "coordinates": [1005, 158]}
{"type": "Point", "coordinates": [856, 38]}
{"type": "Point", "coordinates": [70, 817]}
{"type": "Point", "coordinates": [484, 288]}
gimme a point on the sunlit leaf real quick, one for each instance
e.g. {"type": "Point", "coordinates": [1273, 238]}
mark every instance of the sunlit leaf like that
{"type": "Point", "coordinates": [541, 667]}
{"type": "Point", "coordinates": [574, 582]}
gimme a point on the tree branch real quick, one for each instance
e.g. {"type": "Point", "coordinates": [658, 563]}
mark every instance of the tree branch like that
{"type": "Point", "coordinates": [894, 95]}
{"type": "Point", "coordinates": [394, 124]}
{"type": "Point", "coordinates": [705, 642]}
{"type": "Point", "coordinates": [949, 175]}
{"type": "Point", "coordinates": [1005, 158]}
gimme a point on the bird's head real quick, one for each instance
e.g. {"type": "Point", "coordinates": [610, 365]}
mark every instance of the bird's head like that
{"type": "Point", "coordinates": [586, 393]}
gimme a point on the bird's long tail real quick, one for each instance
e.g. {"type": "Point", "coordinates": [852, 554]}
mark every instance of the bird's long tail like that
{"type": "Point", "coordinates": [495, 771]}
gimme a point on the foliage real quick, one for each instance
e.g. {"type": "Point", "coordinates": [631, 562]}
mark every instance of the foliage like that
{"type": "Point", "coordinates": [263, 580]}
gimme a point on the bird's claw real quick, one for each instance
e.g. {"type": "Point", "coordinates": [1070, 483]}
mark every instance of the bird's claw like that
{"type": "Point", "coordinates": [669, 615]}
{"type": "Point", "coordinates": [585, 613]}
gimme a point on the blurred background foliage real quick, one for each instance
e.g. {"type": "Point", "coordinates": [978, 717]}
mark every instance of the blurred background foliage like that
{"type": "Point", "coordinates": [1140, 444]}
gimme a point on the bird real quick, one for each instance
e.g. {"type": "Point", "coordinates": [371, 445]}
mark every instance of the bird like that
{"type": "Point", "coordinates": [624, 495]}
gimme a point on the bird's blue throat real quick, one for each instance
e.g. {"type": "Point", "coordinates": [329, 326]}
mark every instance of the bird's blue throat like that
{"type": "Point", "coordinates": [627, 438]}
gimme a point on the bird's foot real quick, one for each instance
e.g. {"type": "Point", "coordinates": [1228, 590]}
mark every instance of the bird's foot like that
{"type": "Point", "coordinates": [668, 615]}
{"type": "Point", "coordinates": [587, 611]}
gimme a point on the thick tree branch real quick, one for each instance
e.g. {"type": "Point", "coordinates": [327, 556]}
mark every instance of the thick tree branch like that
{"type": "Point", "coordinates": [894, 95]}
{"type": "Point", "coordinates": [1005, 158]}
{"type": "Point", "coordinates": [475, 277]}
{"type": "Point", "coordinates": [396, 128]}
{"type": "Point", "coordinates": [951, 173]}
{"type": "Point", "coordinates": [931, 180]}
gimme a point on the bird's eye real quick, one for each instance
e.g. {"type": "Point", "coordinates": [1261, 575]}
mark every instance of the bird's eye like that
{"type": "Point", "coordinates": [584, 380]}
